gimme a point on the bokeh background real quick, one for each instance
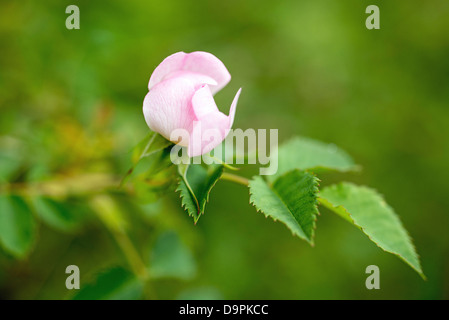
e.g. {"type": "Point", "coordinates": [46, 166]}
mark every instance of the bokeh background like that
{"type": "Point", "coordinates": [70, 103]}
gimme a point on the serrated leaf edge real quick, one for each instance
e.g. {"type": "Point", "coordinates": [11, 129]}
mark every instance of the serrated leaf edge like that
{"type": "Point", "coordinates": [311, 241]}
{"type": "Point", "coordinates": [200, 209]}
{"type": "Point", "coordinates": [210, 189]}
{"type": "Point", "coordinates": [183, 204]}
{"type": "Point", "coordinates": [331, 207]}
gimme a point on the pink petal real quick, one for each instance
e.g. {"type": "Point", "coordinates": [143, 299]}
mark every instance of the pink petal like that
{"type": "Point", "coordinates": [199, 62]}
{"type": "Point", "coordinates": [168, 106]}
{"type": "Point", "coordinates": [170, 64]}
{"type": "Point", "coordinates": [203, 102]}
{"type": "Point", "coordinates": [233, 108]}
{"type": "Point", "coordinates": [208, 120]}
{"type": "Point", "coordinates": [196, 78]}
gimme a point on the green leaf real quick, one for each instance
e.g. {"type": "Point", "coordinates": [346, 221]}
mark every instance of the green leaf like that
{"type": "Point", "coordinates": [291, 199]}
{"type": "Point", "coordinates": [170, 258]}
{"type": "Point", "coordinates": [154, 177]}
{"type": "Point", "coordinates": [113, 284]}
{"type": "Point", "coordinates": [152, 143]}
{"type": "Point", "coordinates": [366, 209]}
{"type": "Point", "coordinates": [308, 154]}
{"type": "Point", "coordinates": [17, 225]}
{"type": "Point", "coordinates": [195, 186]}
{"type": "Point", "coordinates": [64, 216]}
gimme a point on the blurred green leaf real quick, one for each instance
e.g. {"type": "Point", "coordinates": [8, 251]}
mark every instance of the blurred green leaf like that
{"type": "Point", "coordinates": [195, 186]}
{"type": "Point", "coordinates": [7, 167]}
{"type": "Point", "coordinates": [17, 225]}
{"type": "Point", "coordinates": [308, 154]}
{"type": "Point", "coordinates": [11, 157]}
{"type": "Point", "coordinates": [201, 293]}
{"type": "Point", "coordinates": [64, 216]}
{"type": "Point", "coordinates": [367, 210]}
{"type": "Point", "coordinates": [143, 192]}
{"type": "Point", "coordinates": [113, 284]}
{"type": "Point", "coordinates": [170, 258]}
{"type": "Point", "coordinates": [291, 199]}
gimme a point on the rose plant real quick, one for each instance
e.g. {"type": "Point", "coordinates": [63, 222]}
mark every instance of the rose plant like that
{"type": "Point", "coordinates": [180, 96]}
{"type": "Point", "coordinates": [181, 100]}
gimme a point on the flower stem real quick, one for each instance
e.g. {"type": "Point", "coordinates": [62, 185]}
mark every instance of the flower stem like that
{"type": "Point", "coordinates": [131, 254]}
{"type": "Point", "coordinates": [235, 178]}
{"type": "Point", "coordinates": [111, 217]}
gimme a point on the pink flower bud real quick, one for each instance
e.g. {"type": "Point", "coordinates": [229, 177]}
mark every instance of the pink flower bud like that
{"type": "Point", "coordinates": [180, 96]}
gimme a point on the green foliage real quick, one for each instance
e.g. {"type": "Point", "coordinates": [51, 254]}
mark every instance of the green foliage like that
{"type": "Point", "coordinates": [113, 284]}
{"type": "Point", "coordinates": [152, 143]}
{"type": "Point", "coordinates": [367, 210]}
{"type": "Point", "coordinates": [291, 199]}
{"type": "Point", "coordinates": [154, 176]}
{"type": "Point", "coordinates": [195, 186]}
{"type": "Point", "coordinates": [77, 110]}
{"type": "Point", "coordinates": [308, 154]}
{"type": "Point", "coordinates": [7, 167]}
{"type": "Point", "coordinates": [109, 213]}
{"type": "Point", "coordinates": [201, 293]}
{"type": "Point", "coordinates": [17, 225]}
{"type": "Point", "coordinates": [154, 146]}
{"type": "Point", "coordinates": [171, 258]}
{"type": "Point", "coordinates": [64, 216]}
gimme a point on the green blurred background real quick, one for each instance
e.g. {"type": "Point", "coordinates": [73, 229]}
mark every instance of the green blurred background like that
{"type": "Point", "coordinates": [71, 106]}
